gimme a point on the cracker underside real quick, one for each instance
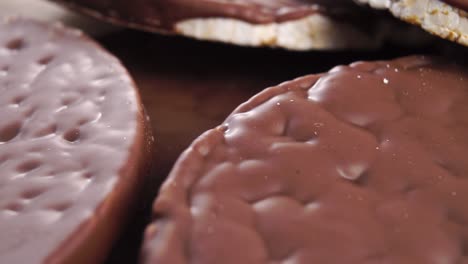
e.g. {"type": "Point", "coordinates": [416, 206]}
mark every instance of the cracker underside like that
{"type": "Point", "coordinates": [433, 16]}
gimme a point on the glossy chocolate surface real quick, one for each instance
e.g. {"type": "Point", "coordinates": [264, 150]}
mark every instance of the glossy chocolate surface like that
{"type": "Point", "coordinates": [71, 144]}
{"type": "Point", "coordinates": [364, 164]}
{"type": "Point", "coordinates": [164, 14]}
{"type": "Point", "coordinates": [183, 102]}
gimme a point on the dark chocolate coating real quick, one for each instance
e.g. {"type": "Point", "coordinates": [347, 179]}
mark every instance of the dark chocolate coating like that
{"type": "Point", "coordinates": [72, 145]}
{"type": "Point", "coordinates": [364, 164]}
{"type": "Point", "coordinates": [164, 14]}
{"type": "Point", "coordinates": [462, 4]}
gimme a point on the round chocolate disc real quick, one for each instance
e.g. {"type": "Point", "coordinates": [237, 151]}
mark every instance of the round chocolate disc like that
{"type": "Point", "coordinates": [366, 163]}
{"type": "Point", "coordinates": [72, 145]}
{"type": "Point", "coordinates": [290, 24]}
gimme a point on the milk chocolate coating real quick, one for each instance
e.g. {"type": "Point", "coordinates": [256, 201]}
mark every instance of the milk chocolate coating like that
{"type": "Point", "coordinates": [462, 4]}
{"type": "Point", "coordinates": [364, 164]}
{"type": "Point", "coordinates": [72, 145]}
{"type": "Point", "coordinates": [164, 14]}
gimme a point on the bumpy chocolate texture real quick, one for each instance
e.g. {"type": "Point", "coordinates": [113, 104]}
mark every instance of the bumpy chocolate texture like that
{"type": "Point", "coordinates": [72, 145]}
{"type": "Point", "coordinates": [367, 163]}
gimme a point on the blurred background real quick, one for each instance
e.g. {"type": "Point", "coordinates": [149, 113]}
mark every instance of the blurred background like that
{"type": "Point", "coordinates": [189, 86]}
